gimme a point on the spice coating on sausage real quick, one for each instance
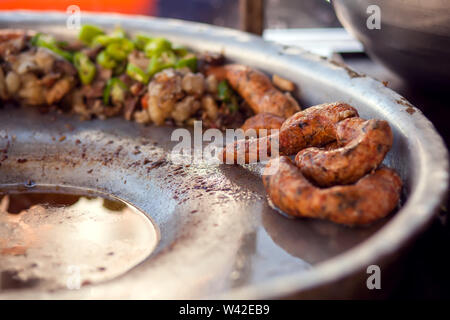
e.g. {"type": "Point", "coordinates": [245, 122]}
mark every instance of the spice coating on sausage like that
{"type": "Point", "coordinates": [249, 150]}
{"type": "Point", "coordinates": [371, 198]}
{"type": "Point", "coordinates": [313, 127]}
{"type": "Point", "coordinates": [368, 145]}
{"type": "Point", "coordinates": [263, 120]}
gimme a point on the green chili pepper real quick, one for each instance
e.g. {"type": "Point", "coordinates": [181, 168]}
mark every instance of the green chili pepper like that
{"type": "Point", "coordinates": [120, 49]}
{"type": "Point", "coordinates": [190, 62]}
{"type": "Point", "coordinates": [88, 33]}
{"type": "Point", "coordinates": [86, 68]}
{"type": "Point", "coordinates": [117, 94]}
{"type": "Point", "coordinates": [137, 73]}
{"type": "Point", "coordinates": [112, 88]}
{"type": "Point", "coordinates": [155, 66]}
{"type": "Point", "coordinates": [227, 95]}
{"type": "Point", "coordinates": [120, 68]}
{"type": "Point", "coordinates": [233, 105]}
{"type": "Point", "coordinates": [141, 40]}
{"type": "Point", "coordinates": [180, 51]}
{"type": "Point", "coordinates": [158, 63]}
{"type": "Point", "coordinates": [157, 46]}
{"type": "Point", "coordinates": [118, 33]}
{"type": "Point", "coordinates": [39, 40]}
{"type": "Point", "coordinates": [105, 60]}
{"type": "Point", "coordinates": [116, 51]}
{"type": "Point", "coordinates": [103, 40]}
{"type": "Point", "coordinates": [224, 91]}
{"type": "Point", "coordinates": [62, 44]}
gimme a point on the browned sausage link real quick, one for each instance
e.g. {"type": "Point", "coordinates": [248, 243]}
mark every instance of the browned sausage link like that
{"type": "Point", "coordinates": [371, 198]}
{"type": "Point", "coordinates": [347, 130]}
{"type": "Point", "coordinates": [256, 89]}
{"type": "Point", "coordinates": [248, 150]}
{"type": "Point", "coordinates": [314, 126]}
{"type": "Point", "coordinates": [264, 120]}
{"type": "Point", "coordinates": [349, 163]}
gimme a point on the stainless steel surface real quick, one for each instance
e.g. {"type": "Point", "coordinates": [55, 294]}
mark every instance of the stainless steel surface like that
{"type": "Point", "coordinates": [414, 39]}
{"type": "Point", "coordinates": [321, 41]}
{"type": "Point", "coordinates": [57, 238]}
{"type": "Point", "coordinates": [219, 237]}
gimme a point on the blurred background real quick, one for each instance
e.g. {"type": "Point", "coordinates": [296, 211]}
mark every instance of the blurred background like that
{"type": "Point", "coordinates": [309, 13]}
{"type": "Point", "coordinates": [313, 25]}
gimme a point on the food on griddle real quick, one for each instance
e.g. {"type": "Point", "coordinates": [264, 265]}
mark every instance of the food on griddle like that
{"type": "Point", "coordinates": [257, 89]}
{"type": "Point", "coordinates": [314, 126]}
{"type": "Point", "coordinates": [263, 121]}
{"type": "Point", "coordinates": [371, 198]}
{"type": "Point", "coordinates": [361, 147]}
{"type": "Point", "coordinates": [336, 175]}
{"type": "Point", "coordinates": [141, 78]}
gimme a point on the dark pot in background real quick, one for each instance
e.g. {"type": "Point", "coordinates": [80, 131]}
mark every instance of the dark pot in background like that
{"type": "Point", "coordinates": [414, 39]}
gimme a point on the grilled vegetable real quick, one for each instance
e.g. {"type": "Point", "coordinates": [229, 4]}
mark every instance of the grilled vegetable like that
{"type": "Point", "coordinates": [40, 40]}
{"type": "Point", "coordinates": [137, 73]}
{"type": "Point", "coordinates": [227, 95]}
{"type": "Point", "coordinates": [88, 33]}
{"type": "Point", "coordinates": [157, 46]}
{"type": "Point", "coordinates": [115, 89]}
{"type": "Point", "coordinates": [189, 62]}
{"type": "Point", "coordinates": [85, 67]}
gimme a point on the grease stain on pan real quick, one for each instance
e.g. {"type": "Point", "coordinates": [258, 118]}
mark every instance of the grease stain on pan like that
{"type": "Point", "coordinates": [409, 107]}
{"type": "Point", "coordinates": [351, 73]}
{"type": "Point", "coordinates": [53, 241]}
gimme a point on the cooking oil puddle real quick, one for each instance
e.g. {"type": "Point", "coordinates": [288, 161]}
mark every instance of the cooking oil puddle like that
{"type": "Point", "coordinates": [54, 240]}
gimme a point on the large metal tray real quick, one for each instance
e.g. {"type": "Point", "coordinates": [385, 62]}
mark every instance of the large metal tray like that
{"type": "Point", "coordinates": [219, 238]}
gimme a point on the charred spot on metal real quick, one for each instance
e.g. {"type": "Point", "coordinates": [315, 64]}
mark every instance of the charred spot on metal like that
{"type": "Point", "coordinates": [157, 164]}
{"type": "Point", "coordinates": [350, 72]}
{"type": "Point", "coordinates": [409, 107]}
{"type": "Point", "coordinates": [118, 150]}
{"type": "Point", "coordinates": [9, 279]}
{"type": "Point", "coordinates": [5, 149]}
{"type": "Point", "coordinates": [410, 110]}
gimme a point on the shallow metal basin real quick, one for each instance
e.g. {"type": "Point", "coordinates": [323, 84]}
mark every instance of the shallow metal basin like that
{"type": "Point", "coordinates": [219, 238]}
